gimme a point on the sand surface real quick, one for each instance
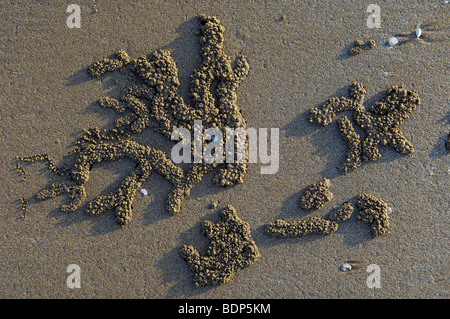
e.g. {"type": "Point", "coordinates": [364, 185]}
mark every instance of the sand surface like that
{"type": "Point", "coordinates": [297, 51]}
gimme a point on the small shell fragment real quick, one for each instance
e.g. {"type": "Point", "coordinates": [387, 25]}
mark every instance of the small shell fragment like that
{"type": "Point", "coordinates": [418, 32]}
{"type": "Point", "coordinates": [389, 210]}
{"type": "Point", "coordinates": [144, 192]}
{"type": "Point", "coordinates": [392, 41]}
{"type": "Point", "coordinates": [345, 267]}
{"type": "Point", "coordinates": [443, 3]}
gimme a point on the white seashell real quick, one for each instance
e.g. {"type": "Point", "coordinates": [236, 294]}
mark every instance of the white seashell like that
{"type": "Point", "coordinates": [345, 267]}
{"type": "Point", "coordinates": [389, 210]}
{"type": "Point", "coordinates": [392, 41]}
{"type": "Point", "coordinates": [144, 192]}
{"type": "Point", "coordinates": [418, 32]}
{"type": "Point", "coordinates": [385, 74]}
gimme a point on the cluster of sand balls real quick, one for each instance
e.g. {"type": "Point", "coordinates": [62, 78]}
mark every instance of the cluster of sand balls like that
{"type": "Point", "coordinates": [370, 210]}
{"type": "Point", "coordinates": [380, 122]}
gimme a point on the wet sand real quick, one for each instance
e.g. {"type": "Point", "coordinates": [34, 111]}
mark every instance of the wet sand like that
{"type": "Point", "coordinates": [298, 57]}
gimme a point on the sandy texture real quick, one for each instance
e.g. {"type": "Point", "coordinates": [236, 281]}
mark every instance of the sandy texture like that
{"type": "Point", "coordinates": [298, 59]}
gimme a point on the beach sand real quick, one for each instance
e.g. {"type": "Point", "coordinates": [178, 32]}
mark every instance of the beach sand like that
{"type": "Point", "coordinates": [297, 52]}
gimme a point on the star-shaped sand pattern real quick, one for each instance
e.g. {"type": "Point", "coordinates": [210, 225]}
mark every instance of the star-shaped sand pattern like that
{"type": "Point", "coordinates": [380, 122]}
